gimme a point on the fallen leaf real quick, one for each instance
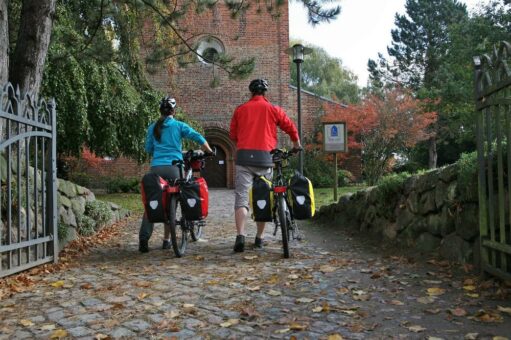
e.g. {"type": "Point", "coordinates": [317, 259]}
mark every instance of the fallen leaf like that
{"type": "Point", "coordinates": [434, 338]}
{"type": "Point", "coordinates": [143, 284]}
{"type": "Point", "coordinates": [457, 311]}
{"type": "Point", "coordinates": [199, 258]}
{"type": "Point", "coordinates": [487, 316]}
{"type": "Point", "coordinates": [304, 300]}
{"type": "Point", "coordinates": [472, 295]}
{"type": "Point", "coordinates": [282, 331]}
{"type": "Point", "coordinates": [253, 289]}
{"type": "Point", "coordinates": [292, 276]}
{"type": "Point", "coordinates": [57, 284]}
{"type": "Point", "coordinates": [86, 286]}
{"type": "Point", "coordinates": [500, 338]}
{"type": "Point", "coordinates": [100, 336]}
{"type": "Point", "coordinates": [229, 323]}
{"type": "Point", "coordinates": [274, 292]}
{"type": "Point", "coordinates": [327, 269]}
{"type": "Point", "coordinates": [26, 323]}
{"type": "Point", "coordinates": [471, 336]}
{"type": "Point", "coordinates": [252, 257]}
{"type": "Point", "coordinates": [469, 288]}
{"type": "Point", "coordinates": [297, 327]}
{"type": "Point", "coordinates": [59, 333]}
{"type": "Point", "coordinates": [188, 305]}
{"type": "Point", "coordinates": [249, 312]}
{"type": "Point", "coordinates": [506, 310]}
{"type": "Point", "coordinates": [343, 290]}
{"type": "Point", "coordinates": [172, 314]}
{"type": "Point", "coordinates": [416, 328]}
{"type": "Point", "coordinates": [142, 296]}
{"type": "Point", "coordinates": [335, 337]}
{"type": "Point", "coordinates": [396, 303]}
{"type": "Point", "coordinates": [433, 311]}
{"type": "Point", "coordinates": [318, 309]}
{"type": "Point", "coordinates": [435, 291]}
{"type": "Point", "coordinates": [48, 327]}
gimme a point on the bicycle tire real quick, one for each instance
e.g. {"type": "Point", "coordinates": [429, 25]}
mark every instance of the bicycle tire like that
{"type": "Point", "coordinates": [283, 225]}
{"type": "Point", "coordinates": [178, 234]}
{"type": "Point", "coordinates": [196, 230]}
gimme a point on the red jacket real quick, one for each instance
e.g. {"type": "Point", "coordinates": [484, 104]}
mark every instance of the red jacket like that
{"type": "Point", "coordinates": [254, 129]}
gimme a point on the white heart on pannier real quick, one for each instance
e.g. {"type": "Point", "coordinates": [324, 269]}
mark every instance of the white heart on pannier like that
{"type": "Point", "coordinates": [153, 204]}
{"type": "Point", "coordinates": [191, 202]}
{"type": "Point", "coordinates": [300, 200]}
{"type": "Point", "coordinates": [261, 204]}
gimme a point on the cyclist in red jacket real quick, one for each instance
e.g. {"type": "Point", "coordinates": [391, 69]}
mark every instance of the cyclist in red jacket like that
{"type": "Point", "coordinates": [254, 130]}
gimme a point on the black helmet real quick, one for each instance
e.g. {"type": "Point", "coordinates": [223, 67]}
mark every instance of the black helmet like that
{"type": "Point", "coordinates": [167, 104]}
{"type": "Point", "coordinates": [258, 86]}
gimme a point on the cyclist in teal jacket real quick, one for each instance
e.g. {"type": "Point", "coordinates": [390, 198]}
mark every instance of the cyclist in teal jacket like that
{"type": "Point", "coordinates": [164, 143]}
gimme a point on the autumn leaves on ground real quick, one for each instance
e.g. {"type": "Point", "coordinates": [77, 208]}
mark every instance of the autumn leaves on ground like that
{"type": "Point", "coordinates": [104, 288]}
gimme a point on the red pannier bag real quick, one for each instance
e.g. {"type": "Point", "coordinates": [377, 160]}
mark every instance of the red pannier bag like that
{"type": "Point", "coordinates": [194, 198]}
{"type": "Point", "coordinates": [154, 197]}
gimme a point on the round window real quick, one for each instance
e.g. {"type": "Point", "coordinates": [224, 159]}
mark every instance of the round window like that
{"type": "Point", "coordinates": [209, 48]}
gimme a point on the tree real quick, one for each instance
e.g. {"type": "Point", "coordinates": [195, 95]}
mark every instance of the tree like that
{"type": "Point", "coordinates": [397, 121]}
{"type": "Point", "coordinates": [94, 64]}
{"type": "Point", "coordinates": [27, 61]}
{"type": "Point", "coordinates": [420, 46]}
{"type": "Point", "coordinates": [326, 76]}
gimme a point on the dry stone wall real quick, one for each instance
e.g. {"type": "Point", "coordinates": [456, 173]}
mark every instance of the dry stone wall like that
{"type": "Point", "coordinates": [432, 213]}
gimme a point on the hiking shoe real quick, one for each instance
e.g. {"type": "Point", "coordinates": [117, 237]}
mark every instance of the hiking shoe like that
{"type": "Point", "coordinates": [239, 245]}
{"type": "Point", "coordinates": [258, 243]}
{"type": "Point", "coordinates": [143, 246]}
{"type": "Point", "coordinates": [166, 244]}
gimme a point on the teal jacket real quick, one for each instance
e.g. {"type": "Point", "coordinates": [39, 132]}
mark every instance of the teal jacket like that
{"type": "Point", "coordinates": [169, 148]}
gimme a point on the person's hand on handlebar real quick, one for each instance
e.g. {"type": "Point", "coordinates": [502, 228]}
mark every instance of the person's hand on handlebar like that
{"type": "Point", "coordinates": [297, 146]}
{"type": "Point", "coordinates": [206, 148]}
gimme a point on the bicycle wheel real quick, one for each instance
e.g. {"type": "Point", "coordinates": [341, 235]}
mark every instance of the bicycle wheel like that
{"type": "Point", "coordinates": [178, 233]}
{"type": "Point", "coordinates": [283, 224]}
{"type": "Point", "coordinates": [196, 229]}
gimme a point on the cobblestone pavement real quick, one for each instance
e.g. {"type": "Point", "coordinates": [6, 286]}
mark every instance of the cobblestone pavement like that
{"type": "Point", "coordinates": [351, 293]}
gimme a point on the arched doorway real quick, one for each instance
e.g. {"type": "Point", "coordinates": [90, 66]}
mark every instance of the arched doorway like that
{"type": "Point", "coordinates": [215, 172]}
{"type": "Point", "coordinates": [219, 171]}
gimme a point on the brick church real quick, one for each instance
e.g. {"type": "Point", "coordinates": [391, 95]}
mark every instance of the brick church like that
{"type": "Point", "coordinates": [254, 33]}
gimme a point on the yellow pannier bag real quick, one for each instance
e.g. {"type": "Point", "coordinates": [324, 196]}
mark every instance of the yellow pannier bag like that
{"type": "Point", "coordinates": [301, 197]}
{"type": "Point", "coordinates": [261, 199]}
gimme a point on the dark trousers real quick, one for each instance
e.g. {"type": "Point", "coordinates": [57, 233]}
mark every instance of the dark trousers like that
{"type": "Point", "coordinates": [168, 172]}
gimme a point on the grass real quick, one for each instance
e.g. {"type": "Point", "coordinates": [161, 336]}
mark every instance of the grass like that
{"type": "Point", "coordinates": [130, 201]}
{"type": "Point", "coordinates": [325, 196]}
{"type": "Point", "coordinates": [133, 202]}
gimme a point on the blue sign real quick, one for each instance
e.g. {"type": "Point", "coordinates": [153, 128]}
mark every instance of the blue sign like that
{"type": "Point", "coordinates": [334, 132]}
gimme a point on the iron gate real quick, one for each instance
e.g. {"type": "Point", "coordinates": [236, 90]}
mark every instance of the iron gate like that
{"type": "Point", "coordinates": [28, 214]}
{"type": "Point", "coordinates": [493, 104]}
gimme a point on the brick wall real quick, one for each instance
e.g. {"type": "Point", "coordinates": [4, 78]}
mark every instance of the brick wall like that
{"type": "Point", "coordinates": [260, 35]}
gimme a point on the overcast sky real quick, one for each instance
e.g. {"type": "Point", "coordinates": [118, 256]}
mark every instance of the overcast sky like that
{"type": "Point", "coordinates": [359, 33]}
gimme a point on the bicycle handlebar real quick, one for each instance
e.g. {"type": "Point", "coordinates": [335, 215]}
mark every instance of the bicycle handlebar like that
{"type": "Point", "coordinates": [281, 154]}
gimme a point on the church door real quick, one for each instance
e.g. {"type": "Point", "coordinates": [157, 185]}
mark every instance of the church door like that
{"type": "Point", "coordinates": [215, 172]}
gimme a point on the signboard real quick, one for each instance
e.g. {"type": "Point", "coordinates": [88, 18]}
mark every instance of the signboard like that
{"type": "Point", "coordinates": [335, 137]}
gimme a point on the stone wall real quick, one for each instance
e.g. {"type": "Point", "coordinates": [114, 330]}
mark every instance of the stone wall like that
{"type": "Point", "coordinates": [71, 203]}
{"type": "Point", "coordinates": [431, 213]}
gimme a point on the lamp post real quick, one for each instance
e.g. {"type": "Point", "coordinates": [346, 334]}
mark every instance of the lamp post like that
{"type": "Point", "coordinates": [298, 52]}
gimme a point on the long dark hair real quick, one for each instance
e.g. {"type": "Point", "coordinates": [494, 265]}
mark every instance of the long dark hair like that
{"type": "Point", "coordinates": [165, 112]}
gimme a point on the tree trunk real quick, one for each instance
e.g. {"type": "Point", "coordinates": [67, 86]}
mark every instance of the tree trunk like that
{"type": "Point", "coordinates": [4, 43]}
{"type": "Point", "coordinates": [27, 62]}
{"type": "Point", "coordinates": [432, 153]}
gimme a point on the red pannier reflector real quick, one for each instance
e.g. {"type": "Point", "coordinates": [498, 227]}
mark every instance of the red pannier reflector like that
{"type": "Point", "coordinates": [173, 190]}
{"type": "Point", "coordinates": [196, 165]}
{"type": "Point", "coordinates": [280, 190]}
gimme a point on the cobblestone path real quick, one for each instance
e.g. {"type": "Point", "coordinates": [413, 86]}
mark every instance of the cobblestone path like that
{"type": "Point", "coordinates": [351, 293]}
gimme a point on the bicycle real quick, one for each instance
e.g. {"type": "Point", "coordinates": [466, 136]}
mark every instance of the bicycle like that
{"type": "Point", "coordinates": [180, 227]}
{"type": "Point", "coordinates": [282, 215]}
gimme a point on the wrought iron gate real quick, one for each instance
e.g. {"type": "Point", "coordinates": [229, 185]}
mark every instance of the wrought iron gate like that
{"type": "Point", "coordinates": [28, 214]}
{"type": "Point", "coordinates": [493, 103]}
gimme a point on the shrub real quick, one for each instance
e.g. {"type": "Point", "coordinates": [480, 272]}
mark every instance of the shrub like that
{"type": "Point", "coordinates": [80, 178]}
{"type": "Point", "coordinates": [121, 184]}
{"type": "Point", "coordinates": [62, 231]}
{"type": "Point", "coordinates": [467, 174]}
{"type": "Point", "coordinates": [320, 171]}
{"type": "Point", "coordinates": [390, 185]}
{"type": "Point", "coordinates": [99, 212]}
{"type": "Point", "coordinates": [86, 225]}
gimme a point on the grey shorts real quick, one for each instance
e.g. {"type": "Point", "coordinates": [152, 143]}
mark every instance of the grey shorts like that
{"type": "Point", "coordinates": [244, 178]}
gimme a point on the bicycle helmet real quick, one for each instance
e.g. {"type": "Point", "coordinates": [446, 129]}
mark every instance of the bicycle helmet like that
{"type": "Point", "coordinates": [167, 104]}
{"type": "Point", "coordinates": [258, 86]}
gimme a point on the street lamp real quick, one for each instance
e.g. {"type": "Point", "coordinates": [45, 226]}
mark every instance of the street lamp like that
{"type": "Point", "coordinates": [298, 51]}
